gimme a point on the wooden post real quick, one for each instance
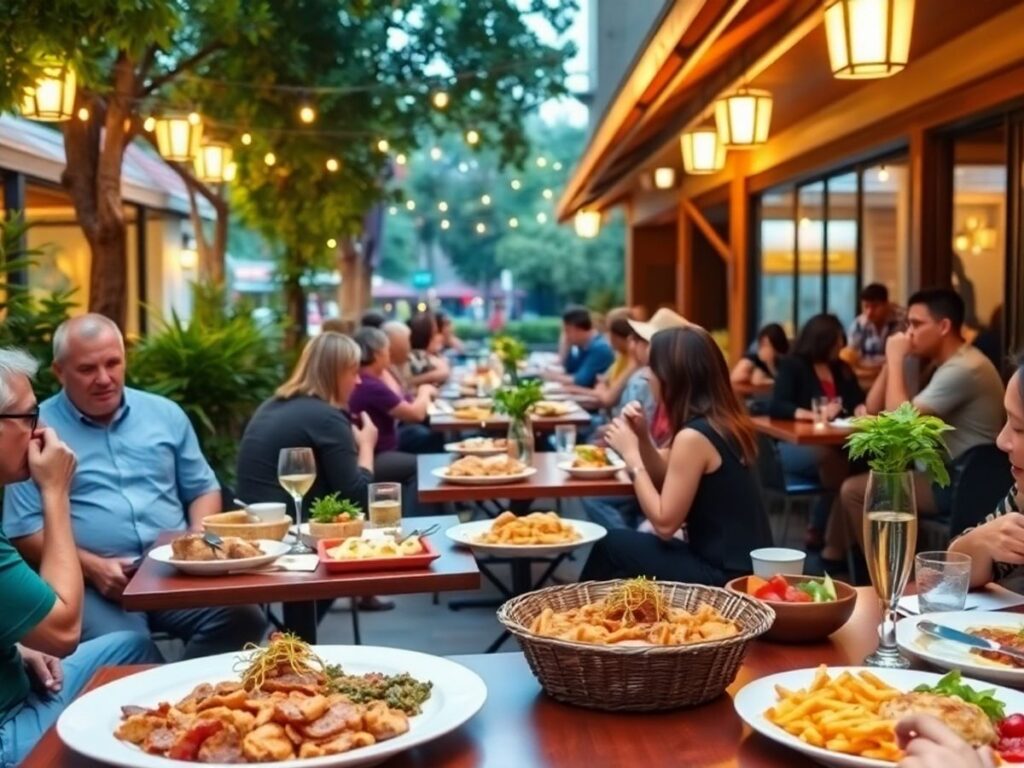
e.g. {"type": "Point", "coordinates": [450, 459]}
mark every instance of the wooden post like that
{"type": "Point", "coordinates": [684, 263]}
{"type": "Point", "coordinates": [739, 265]}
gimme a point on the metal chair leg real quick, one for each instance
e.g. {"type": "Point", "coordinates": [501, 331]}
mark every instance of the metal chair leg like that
{"type": "Point", "coordinates": [357, 636]}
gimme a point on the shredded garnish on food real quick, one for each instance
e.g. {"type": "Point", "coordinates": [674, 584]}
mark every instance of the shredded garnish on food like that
{"type": "Point", "coordinates": [284, 651]}
{"type": "Point", "coordinates": [636, 601]}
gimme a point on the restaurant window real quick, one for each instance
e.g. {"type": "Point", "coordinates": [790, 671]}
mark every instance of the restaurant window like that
{"type": "Point", "coordinates": [810, 238]}
{"type": "Point", "coordinates": [841, 248]}
{"type": "Point", "coordinates": [777, 258]}
{"type": "Point", "coordinates": [885, 227]}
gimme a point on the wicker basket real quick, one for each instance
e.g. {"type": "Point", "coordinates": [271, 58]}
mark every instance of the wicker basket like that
{"type": "Point", "coordinates": [635, 678]}
{"type": "Point", "coordinates": [246, 526]}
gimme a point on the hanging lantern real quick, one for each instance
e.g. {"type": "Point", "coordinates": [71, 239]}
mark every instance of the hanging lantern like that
{"type": "Point", "coordinates": [743, 118]}
{"type": "Point", "coordinates": [230, 171]}
{"type": "Point", "coordinates": [664, 178]}
{"type": "Point", "coordinates": [588, 223]}
{"type": "Point", "coordinates": [212, 162]}
{"type": "Point", "coordinates": [703, 151]}
{"type": "Point", "coordinates": [178, 136]}
{"type": "Point", "coordinates": [868, 38]}
{"type": "Point", "coordinates": [52, 97]}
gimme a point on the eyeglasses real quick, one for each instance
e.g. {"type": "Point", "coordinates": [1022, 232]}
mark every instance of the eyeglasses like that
{"type": "Point", "coordinates": [32, 416]}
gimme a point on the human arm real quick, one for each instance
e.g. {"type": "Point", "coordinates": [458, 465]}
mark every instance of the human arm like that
{"type": "Point", "coordinates": [848, 387]}
{"type": "Point", "coordinates": [344, 453]}
{"type": "Point", "coordinates": [630, 435]}
{"type": "Point", "coordinates": [198, 487]}
{"type": "Point", "coordinates": [107, 575]}
{"type": "Point", "coordinates": [438, 372]}
{"type": "Point", "coordinates": [786, 393]}
{"type": "Point", "coordinates": [875, 401]}
{"type": "Point", "coordinates": [897, 348]}
{"type": "Point", "coordinates": [203, 506]}
{"type": "Point", "coordinates": [761, 379]}
{"type": "Point", "coordinates": [43, 668]}
{"type": "Point", "coordinates": [743, 371]}
{"type": "Point", "coordinates": [996, 546]}
{"type": "Point", "coordinates": [59, 582]}
{"type": "Point", "coordinates": [416, 411]}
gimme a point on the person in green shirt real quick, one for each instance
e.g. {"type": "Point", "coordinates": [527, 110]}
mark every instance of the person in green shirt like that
{"type": "Point", "coordinates": [41, 613]}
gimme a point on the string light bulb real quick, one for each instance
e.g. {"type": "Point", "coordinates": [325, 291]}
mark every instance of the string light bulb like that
{"type": "Point", "coordinates": [542, 218]}
{"type": "Point", "coordinates": [307, 114]}
{"type": "Point", "coordinates": [440, 99]}
{"type": "Point", "coordinates": [516, 184]}
{"type": "Point", "coordinates": [247, 138]}
{"type": "Point", "coordinates": [332, 164]}
{"type": "Point", "coordinates": [383, 145]}
{"type": "Point", "coordinates": [270, 158]}
{"type": "Point", "coordinates": [393, 210]}
{"type": "Point", "coordinates": [332, 243]}
{"type": "Point", "coordinates": [481, 228]}
{"type": "Point", "coordinates": [83, 114]}
{"type": "Point", "coordinates": [149, 124]}
{"type": "Point", "coordinates": [194, 118]}
{"type": "Point", "coordinates": [445, 224]}
{"type": "Point", "coordinates": [883, 174]}
{"type": "Point", "coordinates": [513, 222]}
{"type": "Point", "coordinates": [400, 158]}
{"type": "Point", "coordinates": [442, 206]}
{"type": "Point", "coordinates": [472, 137]}
{"type": "Point", "coordinates": [435, 153]}
{"type": "Point", "coordinates": [557, 166]}
{"type": "Point", "coordinates": [588, 223]}
{"type": "Point", "coordinates": [411, 205]}
{"type": "Point", "coordinates": [485, 199]}
{"type": "Point", "coordinates": [548, 194]}
{"type": "Point", "coordinates": [542, 162]}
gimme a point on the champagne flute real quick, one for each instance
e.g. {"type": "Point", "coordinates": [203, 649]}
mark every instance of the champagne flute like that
{"type": "Point", "coordinates": [890, 533]}
{"type": "Point", "coordinates": [296, 471]}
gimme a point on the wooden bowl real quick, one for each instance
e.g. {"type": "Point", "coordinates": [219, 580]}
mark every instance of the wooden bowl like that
{"type": "Point", "coordinates": [346, 530]}
{"type": "Point", "coordinates": [805, 622]}
{"type": "Point", "coordinates": [245, 526]}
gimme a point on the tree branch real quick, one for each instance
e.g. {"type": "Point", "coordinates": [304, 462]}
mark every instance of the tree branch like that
{"type": "Point", "coordinates": [147, 63]}
{"type": "Point", "coordinates": [184, 66]}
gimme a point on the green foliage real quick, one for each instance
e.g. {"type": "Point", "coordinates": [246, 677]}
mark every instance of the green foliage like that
{"type": "Point", "coordinates": [218, 368]}
{"type": "Point", "coordinates": [893, 441]}
{"type": "Point", "coordinates": [538, 330]}
{"type": "Point", "coordinates": [327, 509]}
{"type": "Point", "coordinates": [29, 321]}
{"type": "Point", "coordinates": [516, 401]}
{"type": "Point", "coordinates": [509, 350]}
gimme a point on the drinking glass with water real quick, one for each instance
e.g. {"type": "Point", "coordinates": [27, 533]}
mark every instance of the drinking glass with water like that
{"type": "Point", "coordinates": [565, 440]}
{"type": "Point", "coordinates": [942, 580]}
{"type": "Point", "coordinates": [386, 507]}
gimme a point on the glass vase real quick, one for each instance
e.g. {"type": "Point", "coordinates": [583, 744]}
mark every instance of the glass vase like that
{"type": "Point", "coordinates": [890, 534]}
{"type": "Point", "coordinates": [520, 439]}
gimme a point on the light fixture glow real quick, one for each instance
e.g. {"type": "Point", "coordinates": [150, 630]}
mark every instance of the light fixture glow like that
{"type": "Point", "coordinates": [868, 38]}
{"type": "Point", "coordinates": [52, 97]}
{"type": "Point", "coordinates": [400, 159]}
{"type": "Point", "coordinates": [588, 223]}
{"type": "Point", "coordinates": [332, 164]}
{"type": "Point", "coordinates": [472, 137]}
{"type": "Point", "coordinates": [393, 210]}
{"type": "Point", "coordinates": [247, 138]}
{"type": "Point", "coordinates": [664, 177]}
{"type": "Point", "coordinates": [516, 184]}
{"type": "Point", "coordinates": [178, 137]}
{"type": "Point", "coordinates": [435, 153]}
{"type": "Point", "coordinates": [442, 206]}
{"type": "Point", "coordinates": [383, 145]}
{"type": "Point", "coordinates": [542, 162]}
{"type": "Point", "coordinates": [149, 124]}
{"type": "Point", "coordinates": [83, 114]}
{"type": "Point", "coordinates": [270, 158]}
{"type": "Point", "coordinates": [212, 161]}
{"type": "Point", "coordinates": [485, 199]}
{"type": "Point", "coordinates": [743, 118]}
{"type": "Point", "coordinates": [307, 114]}
{"type": "Point", "coordinates": [883, 174]}
{"type": "Point", "coordinates": [332, 243]}
{"type": "Point", "coordinates": [188, 258]}
{"type": "Point", "coordinates": [410, 204]}
{"type": "Point", "coordinates": [542, 218]}
{"type": "Point", "coordinates": [481, 228]}
{"type": "Point", "coordinates": [440, 99]}
{"type": "Point", "coordinates": [230, 171]}
{"type": "Point", "coordinates": [513, 222]}
{"type": "Point", "coordinates": [548, 194]}
{"type": "Point", "coordinates": [557, 166]}
{"type": "Point", "coordinates": [445, 224]}
{"type": "Point", "coordinates": [703, 151]}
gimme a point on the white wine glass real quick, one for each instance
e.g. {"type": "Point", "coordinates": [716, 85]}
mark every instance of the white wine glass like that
{"type": "Point", "coordinates": [296, 471]}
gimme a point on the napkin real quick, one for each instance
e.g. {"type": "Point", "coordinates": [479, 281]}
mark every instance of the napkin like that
{"type": "Point", "coordinates": [993, 597]}
{"type": "Point", "coordinates": [293, 563]}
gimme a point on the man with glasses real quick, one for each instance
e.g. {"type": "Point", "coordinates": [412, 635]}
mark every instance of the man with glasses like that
{"type": "Point", "coordinates": [140, 472]}
{"type": "Point", "coordinates": [41, 613]}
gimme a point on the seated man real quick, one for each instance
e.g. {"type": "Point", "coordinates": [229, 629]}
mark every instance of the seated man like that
{"type": "Point", "coordinates": [879, 319]}
{"type": "Point", "coordinates": [140, 472]}
{"type": "Point", "coordinates": [41, 614]}
{"type": "Point", "coordinates": [587, 353]}
{"type": "Point", "coordinates": [964, 390]}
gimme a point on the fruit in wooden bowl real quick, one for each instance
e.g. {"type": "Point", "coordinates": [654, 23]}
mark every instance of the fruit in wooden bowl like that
{"type": "Point", "coordinates": [332, 517]}
{"type": "Point", "coordinates": [807, 608]}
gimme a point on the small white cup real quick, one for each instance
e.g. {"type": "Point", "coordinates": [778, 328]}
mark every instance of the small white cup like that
{"type": "Point", "coordinates": [268, 511]}
{"type": "Point", "coordinates": [772, 560]}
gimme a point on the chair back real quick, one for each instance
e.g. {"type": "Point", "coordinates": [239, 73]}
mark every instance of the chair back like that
{"type": "Point", "coordinates": [980, 481]}
{"type": "Point", "coordinates": [769, 465]}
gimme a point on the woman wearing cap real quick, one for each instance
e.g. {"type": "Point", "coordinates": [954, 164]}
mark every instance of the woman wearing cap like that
{"type": "Point", "coordinates": [704, 480]}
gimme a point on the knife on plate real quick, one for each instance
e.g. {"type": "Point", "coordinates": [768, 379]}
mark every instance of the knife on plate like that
{"type": "Point", "coordinates": [956, 636]}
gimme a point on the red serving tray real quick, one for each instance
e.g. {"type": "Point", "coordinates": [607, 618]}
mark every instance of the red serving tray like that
{"type": "Point", "coordinates": [401, 563]}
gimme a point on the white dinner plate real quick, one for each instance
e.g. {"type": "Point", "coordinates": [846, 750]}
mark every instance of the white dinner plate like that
{"type": "Point", "coordinates": [757, 696]}
{"type": "Point", "coordinates": [591, 473]}
{"type": "Point", "coordinates": [945, 654]}
{"type": "Point", "coordinates": [87, 726]}
{"type": "Point", "coordinates": [462, 450]}
{"type": "Point", "coordinates": [484, 480]}
{"type": "Point", "coordinates": [466, 534]}
{"type": "Point", "coordinates": [272, 550]}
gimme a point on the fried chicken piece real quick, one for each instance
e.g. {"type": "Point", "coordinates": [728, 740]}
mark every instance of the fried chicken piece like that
{"type": "Point", "coordinates": [234, 700]}
{"type": "Point", "coordinates": [191, 702]}
{"type": "Point", "coordinates": [336, 746]}
{"type": "Point", "coordinates": [236, 549]}
{"type": "Point", "coordinates": [300, 709]}
{"type": "Point", "coordinates": [158, 741]}
{"type": "Point", "coordinates": [136, 728]}
{"type": "Point", "coordinates": [383, 722]}
{"type": "Point", "coordinates": [191, 547]}
{"type": "Point", "coordinates": [222, 747]}
{"type": "Point", "coordinates": [267, 743]}
{"type": "Point", "coordinates": [342, 716]}
{"type": "Point", "coordinates": [308, 683]}
{"type": "Point", "coordinates": [239, 719]}
{"type": "Point", "coordinates": [969, 721]}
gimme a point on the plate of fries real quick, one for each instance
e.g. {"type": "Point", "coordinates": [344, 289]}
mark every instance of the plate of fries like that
{"type": "Point", "coordinates": [837, 715]}
{"type": "Point", "coordinates": [538, 533]}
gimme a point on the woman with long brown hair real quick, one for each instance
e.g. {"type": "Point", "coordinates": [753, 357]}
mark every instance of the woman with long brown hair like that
{"type": "Point", "coordinates": [700, 495]}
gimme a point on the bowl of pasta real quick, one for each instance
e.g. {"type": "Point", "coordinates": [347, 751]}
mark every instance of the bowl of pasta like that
{"type": "Point", "coordinates": [635, 645]}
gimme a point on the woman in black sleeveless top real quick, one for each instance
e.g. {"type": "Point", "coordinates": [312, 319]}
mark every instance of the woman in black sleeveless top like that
{"type": "Point", "coordinates": [704, 481]}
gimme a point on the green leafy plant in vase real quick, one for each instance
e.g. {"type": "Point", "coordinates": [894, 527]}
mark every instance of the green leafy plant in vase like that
{"type": "Point", "coordinates": [510, 351]}
{"type": "Point", "coordinates": [332, 517]}
{"type": "Point", "coordinates": [515, 402]}
{"type": "Point", "coordinates": [894, 443]}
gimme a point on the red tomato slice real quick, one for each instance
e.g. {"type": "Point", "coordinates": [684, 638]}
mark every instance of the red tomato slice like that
{"type": "Point", "coordinates": [779, 583]}
{"type": "Point", "coordinates": [1012, 727]}
{"type": "Point", "coordinates": [794, 595]}
{"type": "Point", "coordinates": [767, 592]}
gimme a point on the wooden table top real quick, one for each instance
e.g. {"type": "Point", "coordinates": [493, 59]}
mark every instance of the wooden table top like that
{"type": "Point", "coordinates": [446, 422]}
{"type": "Point", "coordinates": [549, 482]}
{"type": "Point", "coordinates": [747, 389]}
{"type": "Point", "coordinates": [800, 432]}
{"type": "Point", "coordinates": [519, 725]}
{"type": "Point", "coordinates": [158, 586]}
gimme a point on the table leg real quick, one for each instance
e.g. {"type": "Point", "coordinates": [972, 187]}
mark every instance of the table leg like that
{"type": "Point", "coordinates": [357, 637]}
{"type": "Point", "coordinates": [455, 605]}
{"type": "Point", "coordinates": [300, 618]}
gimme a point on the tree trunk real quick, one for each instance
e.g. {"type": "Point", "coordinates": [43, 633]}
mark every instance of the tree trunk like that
{"type": "Point", "coordinates": [295, 306]}
{"type": "Point", "coordinates": [354, 291]}
{"type": "Point", "coordinates": [211, 255]}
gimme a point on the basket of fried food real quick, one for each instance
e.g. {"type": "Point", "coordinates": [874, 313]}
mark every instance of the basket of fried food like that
{"type": "Point", "coordinates": [634, 645]}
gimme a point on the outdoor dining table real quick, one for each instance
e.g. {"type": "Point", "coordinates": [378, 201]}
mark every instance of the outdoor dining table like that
{"type": "Point", "coordinates": [520, 725]}
{"type": "Point", "coordinates": [800, 432]}
{"type": "Point", "coordinates": [158, 586]}
{"type": "Point", "coordinates": [447, 422]}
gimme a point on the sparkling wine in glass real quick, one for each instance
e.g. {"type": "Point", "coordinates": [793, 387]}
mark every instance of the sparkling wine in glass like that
{"type": "Point", "coordinates": [296, 471]}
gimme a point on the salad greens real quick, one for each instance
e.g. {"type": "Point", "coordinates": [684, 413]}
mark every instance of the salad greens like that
{"type": "Point", "coordinates": [823, 591]}
{"type": "Point", "coordinates": [331, 509]}
{"type": "Point", "coordinates": [953, 685]}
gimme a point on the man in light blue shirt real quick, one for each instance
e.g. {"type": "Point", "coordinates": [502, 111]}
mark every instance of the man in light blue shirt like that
{"type": "Point", "coordinates": [140, 472]}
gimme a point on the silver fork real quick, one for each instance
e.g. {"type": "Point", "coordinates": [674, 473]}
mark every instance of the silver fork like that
{"type": "Point", "coordinates": [213, 541]}
{"type": "Point", "coordinates": [416, 532]}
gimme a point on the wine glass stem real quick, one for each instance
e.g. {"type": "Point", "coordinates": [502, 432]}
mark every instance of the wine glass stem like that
{"type": "Point", "coordinates": [298, 512]}
{"type": "Point", "coordinates": [887, 636]}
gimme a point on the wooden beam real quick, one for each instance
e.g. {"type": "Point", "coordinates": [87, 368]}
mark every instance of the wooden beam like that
{"type": "Point", "coordinates": [720, 246]}
{"type": "Point", "coordinates": [684, 262]}
{"type": "Point", "coordinates": [739, 239]}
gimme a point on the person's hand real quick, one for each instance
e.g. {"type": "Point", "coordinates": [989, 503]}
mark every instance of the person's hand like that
{"type": "Point", "coordinates": [621, 437]}
{"type": "Point", "coordinates": [633, 415]}
{"type": "Point", "coordinates": [366, 434]}
{"type": "Point", "coordinates": [108, 575]}
{"type": "Point", "coordinates": [897, 347]}
{"type": "Point", "coordinates": [1004, 538]}
{"type": "Point", "coordinates": [43, 669]}
{"type": "Point", "coordinates": [833, 409]}
{"type": "Point", "coordinates": [927, 743]}
{"type": "Point", "coordinates": [50, 462]}
{"type": "Point", "coordinates": [860, 410]}
{"type": "Point", "coordinates": [426, 390]}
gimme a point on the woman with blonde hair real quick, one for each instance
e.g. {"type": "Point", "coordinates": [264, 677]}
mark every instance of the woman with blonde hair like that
{"type": "Point", "coordinates": [310, 411]}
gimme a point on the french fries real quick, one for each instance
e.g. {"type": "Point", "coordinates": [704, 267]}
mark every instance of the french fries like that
{"type": "Point", "coordinates": [840, 714]}
{"type": "Point", "coordinates": [529, 530]}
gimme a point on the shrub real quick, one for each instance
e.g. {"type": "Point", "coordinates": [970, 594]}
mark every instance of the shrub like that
{"type": "Point", "coordinates": [218, 368]}
{"type": "Point", "coordinates": [539, 330]}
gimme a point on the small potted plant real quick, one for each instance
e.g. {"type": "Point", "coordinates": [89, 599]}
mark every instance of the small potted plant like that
{"type": "Point", "coordinates": [894, 443]}
{"type": "Point", "coordinates": [516, 401]}
{"type": "Point", "coordinates": [332, 517]}
{"type": "Point", "coordinates": [511, 352]}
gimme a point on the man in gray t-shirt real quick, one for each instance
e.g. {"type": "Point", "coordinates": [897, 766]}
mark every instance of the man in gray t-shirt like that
{"type": "Point", "coordinates": [965, 391]}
